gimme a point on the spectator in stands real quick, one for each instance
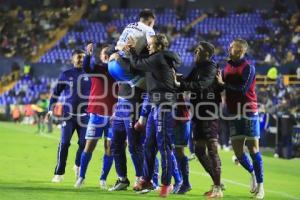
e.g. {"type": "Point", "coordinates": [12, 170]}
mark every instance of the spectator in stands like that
{"type": "Point", "coordinates": [27, 71]}
{"type": "Point", "coordinates": [16, 114]}
{"type": "Point", "coordinates": [181, 8]}
{"type": "Point", "coordinates": [220, 11]}
{"type": "Point", "coordinates": [269, 59]}
{"type": "Point", "coordinates": [113, 34]}
{"type": "Point", "coordinates": [289, 58]}
{"type": "Point", "coordinates": [28, 114]}
{"type": "Point", "coordinates": [41, 110]}
{"type": "Point", "coordinates": [20, 33]}
{"type": "Point", "coordinates": [279, 6]}
{"type": "Point", "coordinates": [72, 42]}
{"type": "Point", "coordinates": [298, 72]}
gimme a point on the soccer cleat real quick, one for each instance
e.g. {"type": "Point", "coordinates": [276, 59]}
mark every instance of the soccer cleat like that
{"type": "Point", "coordinates": [209, 191]}
{"type": "Point", "coordinates": [253, 183]}
{"type": "Point", "coordinates": [120, 185]}
{"type": "Point", "coordinates": [79, 182]}
{"type": "Point", "coordinates": [176, 187]}
{"type": "Point", "coordinates": [184, 189]}
{"type": "Point", "coordinates": [260, 192]}
{"type": "Point", "coordinates": [76, 170]}
{"type": "Point", "coordinates": [216, 192]}
{"type": "Point", "coordinates": [192, 157]}
{"type": "Point", "coordinates": [137, 181]}
{"type": "Point", "coordinates": [165, 190]}
{"type": "Point", "coordinates": [212, 187]}
{"type": "Point", "coordinates": [57, 178]}
{"type": "Point", "coordinates": [143, 185]}
{"type": "Point", "coordinates": [103, 185]}
{"type": "Point", "coordinates": [139, 127]}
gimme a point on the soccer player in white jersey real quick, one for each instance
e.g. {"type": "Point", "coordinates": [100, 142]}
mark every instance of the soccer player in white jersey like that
{"type": "Point", "coordinates": [140, 31]}
{"type": "Point", "coordinates": [128, 82]}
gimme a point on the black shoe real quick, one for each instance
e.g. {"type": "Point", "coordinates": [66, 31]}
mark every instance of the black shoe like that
{"type": "Point", "coordinates": [120, 185]}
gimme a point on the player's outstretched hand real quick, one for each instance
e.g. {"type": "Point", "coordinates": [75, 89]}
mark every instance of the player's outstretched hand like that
{"type": "Point", "coordinates": [176, 82]}
{"type": "Point", "coordinates": [89, 48]}
{"type": "Point", "coordinates": [131, 42]}
{"type": "Point", "coordinates": [114, 56]}
{"type": "Point", "coordinates": [219, 78]}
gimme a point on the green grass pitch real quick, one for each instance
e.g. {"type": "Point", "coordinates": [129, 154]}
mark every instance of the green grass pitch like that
{"type": "Point", "coordinates": [27, 163]}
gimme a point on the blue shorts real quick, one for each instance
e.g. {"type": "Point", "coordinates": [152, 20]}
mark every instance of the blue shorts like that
{"type": "Point", "coordinates": [182, 133]}
{"type": "Point", "coordinates": [245, 128]}
{"type": "Point", "coordinates": [97, 125]}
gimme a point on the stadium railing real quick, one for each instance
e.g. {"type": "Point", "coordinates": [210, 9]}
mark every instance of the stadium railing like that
{"type": "Point", "coordinates": [287, 80]}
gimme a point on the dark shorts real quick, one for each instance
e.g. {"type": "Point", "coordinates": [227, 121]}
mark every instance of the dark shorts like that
{"type": "Point", "coordinates": [182, 133]}
{"type": "Point", "coordinates": [205, 129]}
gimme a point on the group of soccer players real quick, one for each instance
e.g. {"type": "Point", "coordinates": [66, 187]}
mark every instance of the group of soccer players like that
{"type": "Point", "coordinates": [137, 100]}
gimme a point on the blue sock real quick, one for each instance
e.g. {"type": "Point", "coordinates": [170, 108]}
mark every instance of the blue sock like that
{"type": "Point", "coordinates": [107, 163]}
{"type": "Point", "coordinates": [245, 162]}
{"type": "Point", "coordinates": [258, 167]}
{"type": "Point", "coordinates": [156, 173]}
{"type": "Point", "coordinates": [184, 166]}
{"type": "Point", "coordinates": [176, 172]}
{"type": "Point", "coordinates": [85, 159]}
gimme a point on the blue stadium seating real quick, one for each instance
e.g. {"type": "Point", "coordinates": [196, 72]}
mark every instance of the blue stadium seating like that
{"type": "Point", "coordinates": [31, 90]}
{"type": "Point", "coordinates": [232, 26]}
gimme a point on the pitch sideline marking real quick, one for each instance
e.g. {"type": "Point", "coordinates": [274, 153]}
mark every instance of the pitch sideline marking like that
{"type": "Point", "coordinates": [247, 186]}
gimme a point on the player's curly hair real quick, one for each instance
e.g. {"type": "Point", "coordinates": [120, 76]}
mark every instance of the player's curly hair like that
{"type": "Point", "coordinates": [160, 42]}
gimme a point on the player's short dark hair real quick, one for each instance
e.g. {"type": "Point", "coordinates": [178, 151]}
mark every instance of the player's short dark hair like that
{"type": "Point", "coordinates": [208, 47]}
{"type": "Point", "coordinates": [146, 14]}
{"type": "Point", "coordinates": [242, 42]}
{"type": "Point", "coordinates": [77, 51]}
{"type": "Point", "coordinates": [109, 49]}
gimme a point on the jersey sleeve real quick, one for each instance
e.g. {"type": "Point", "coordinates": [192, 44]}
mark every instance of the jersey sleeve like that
{"type": "Point", "coordinates": [57, 90]}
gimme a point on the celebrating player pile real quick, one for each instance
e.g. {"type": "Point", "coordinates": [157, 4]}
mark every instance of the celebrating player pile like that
{"type": "Point", "coordinates": [143, 66]}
